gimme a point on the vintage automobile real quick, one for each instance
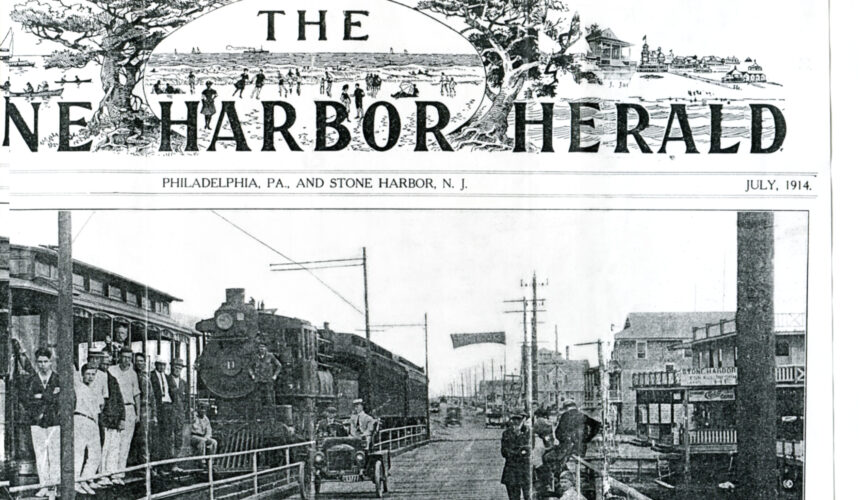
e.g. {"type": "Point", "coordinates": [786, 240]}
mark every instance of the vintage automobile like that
{"type": "Point", "coordinates": [434, 407]}
{"type": "Point", "coordinates": [349, 459]}
{"type": "Point", "coordinates": [495, 416]}
{"type": "Point", "coordinates": [454, 416]}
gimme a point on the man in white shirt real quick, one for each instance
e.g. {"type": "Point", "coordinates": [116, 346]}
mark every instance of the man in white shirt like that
{"type": "Point", "coordinates": [201, 433]}
{"type": "Point", "coordinates": [118, 442]}
{"type": "Point", "coordinates": [88, 404]}
{"type": "Point", "coordinates": [95, 357]}
{"type": "Point", "coordinates": [360, 423]}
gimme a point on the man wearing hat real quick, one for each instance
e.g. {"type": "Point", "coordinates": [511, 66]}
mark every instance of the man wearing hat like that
{"type": "Point", "coordinates": [329, 426]}
{"type": "Point", "coordinates": [575, 429]}
{"type": "Point", "coordinates": [180, 405]}
{"type": "Point", "coordinates": [515, 450]}
{"type": "Point", "coordinates": [162, 393]}
{"type": "Point", "coordinates": [264, 370]}
{"type": "Point", "coordinates": [146, 425]}
{"type": "Point", "coordinates": [360, 423]}
{"type": "Point", "coordinates": [201, 432]}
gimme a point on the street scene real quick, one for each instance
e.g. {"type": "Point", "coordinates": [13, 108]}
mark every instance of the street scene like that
{"type": "Point", "coordinates": [419, 354]}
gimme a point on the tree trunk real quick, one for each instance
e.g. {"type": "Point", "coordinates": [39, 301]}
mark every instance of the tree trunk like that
{"type": "Point", "coordinates": [117, 105]}
{"type": "Point", "coordinates": [492, 126]}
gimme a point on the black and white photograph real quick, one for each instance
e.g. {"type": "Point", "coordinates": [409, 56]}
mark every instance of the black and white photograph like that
{"type": "Point", "coordinates": [420, 354]}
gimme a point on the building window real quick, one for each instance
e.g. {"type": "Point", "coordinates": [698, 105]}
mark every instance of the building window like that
{"type": "Point", "coordinates": [782, 349]}
{"type": "Point", "coordinates": [670, 367]}
{"type": "Point", "coordinates": [131, 298]}
{"type": "Point", "coordinates": [720, 358]}
{"type": "Point", "coordinates": [700, 360]}
{"type": "Point", "coordinates": [641, 350]}
{"type": "Point", "coordinates": [46, 270]}
{"type": "Point", "coordinates": [78, 282]}
{"type": "Point", "coordinates": [97, 287]}
{"type": "Point", "coordinates": [115, 292]}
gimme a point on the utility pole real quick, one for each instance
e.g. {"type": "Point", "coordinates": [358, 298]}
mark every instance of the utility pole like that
{"type": "Point", "coordinates": [368, 368]}
{"type": "Point", "coordinates": [604, 417]}
{"type": "Point", "coordinates": [427, 374]}
{"type": "Point", "coordinates": [603, 391]}
{"type": "Point", "coordinates": [557, 361]}
{"type": "Point", "coordinates": [757, 463]}
{"type": "Point", "coordinates": [535, 372]}
{"type": "Point", "coordinates": [528, 368]}
{"type": "Point", "coordinates": [65, 355]}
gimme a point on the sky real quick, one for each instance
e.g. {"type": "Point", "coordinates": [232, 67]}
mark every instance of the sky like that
{"type": "Point", "coordinates": [457, 266]}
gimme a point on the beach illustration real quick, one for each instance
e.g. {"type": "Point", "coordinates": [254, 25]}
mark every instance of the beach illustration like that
{"type": "Point", "coordinates": [374, 62]}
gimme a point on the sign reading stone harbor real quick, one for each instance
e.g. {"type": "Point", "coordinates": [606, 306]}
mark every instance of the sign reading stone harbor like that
{"type": "Point", "coordinates": [708, 376]}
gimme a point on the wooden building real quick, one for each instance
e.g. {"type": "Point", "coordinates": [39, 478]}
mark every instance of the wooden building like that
{"type": "Point", "coordinates": [608, 50]}
{"type": "Point", "coordinates": [708, 390]}
{"type": "Point", "coordinates": [103, 301]}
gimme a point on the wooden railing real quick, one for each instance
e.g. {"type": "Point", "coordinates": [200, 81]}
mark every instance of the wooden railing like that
{"type": "Point", "coordinates": [789, 322]}
{"type": "Point", "coordinates": [791, 374]}
{"type": "Point", "coordinates": [713, 436]}
{"type": "Point", "coordinates": [293, 472]}
{"type": "Point", "coordinates": [792, 450]}
{"type": "Point", "coordinates": [654, 379]}
{"type": "Point", "coordinates": [398, 438]}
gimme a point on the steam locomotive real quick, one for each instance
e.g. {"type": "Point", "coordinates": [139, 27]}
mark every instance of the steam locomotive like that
{"type": "Point", "coordinates": [320, 368]}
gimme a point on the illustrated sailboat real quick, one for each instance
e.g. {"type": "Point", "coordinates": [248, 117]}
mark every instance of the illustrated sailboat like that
{"type": "Point", "coordinates": [7, 53]}
{"type": "Point", "coordinates": [6, 46]}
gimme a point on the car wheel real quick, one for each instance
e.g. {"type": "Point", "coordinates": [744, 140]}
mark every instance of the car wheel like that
{"type": "Point", "coordinates": [377, 478]}
{"type": "Point", "coordinates": [386, 481]}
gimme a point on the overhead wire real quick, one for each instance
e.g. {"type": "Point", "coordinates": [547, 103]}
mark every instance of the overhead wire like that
{"type": "Point", "coordinates": [292, 262]}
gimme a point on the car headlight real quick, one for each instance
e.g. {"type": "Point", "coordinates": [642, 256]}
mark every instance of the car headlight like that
{"type": "Point", "coordinates": [360, 457]}
{"type": "Point", "coordinates": [319, 458]}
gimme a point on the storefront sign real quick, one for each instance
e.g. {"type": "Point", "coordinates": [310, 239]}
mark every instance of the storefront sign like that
{"type": "Point", "coordinates": [697, 395]}
{"type": "Point", "coordinates": [708, 376]}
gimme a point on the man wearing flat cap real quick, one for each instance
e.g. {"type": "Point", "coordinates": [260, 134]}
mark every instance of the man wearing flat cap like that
{"type": "Point", "coordinates": [329, 426]}
{"type": "Point", "coordinates": [515, 450]}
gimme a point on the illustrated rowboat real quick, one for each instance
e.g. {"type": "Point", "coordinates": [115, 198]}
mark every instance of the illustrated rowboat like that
{"type": "Point", "coordinates": [20, 63]}
{"type": "Point", "coordinates": [63, 82]}
{"type": "Point", "coordinates": [37, 93]}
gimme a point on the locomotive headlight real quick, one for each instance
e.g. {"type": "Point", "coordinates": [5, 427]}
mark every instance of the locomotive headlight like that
{"type": "Point", "coordinates": [224, 320]}
{"type": "Point", "coordinates": [319, 458]}
{"type": "Point", "coordinates": [360, 458]}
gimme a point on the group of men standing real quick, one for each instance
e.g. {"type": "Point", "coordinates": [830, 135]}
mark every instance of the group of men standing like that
{"type": "Point", "coordinates": [538, 463]}
{"type": "Point", "coordinates": [115, 406]}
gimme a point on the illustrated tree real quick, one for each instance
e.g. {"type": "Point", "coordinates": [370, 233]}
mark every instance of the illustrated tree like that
{"type": "Point", "coordinates": [119, 34]}
{"type": "Point", "coordinates": [519, 41]}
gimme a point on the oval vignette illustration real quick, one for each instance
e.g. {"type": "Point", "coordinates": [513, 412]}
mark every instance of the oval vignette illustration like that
{"type": "Point", "coordinates": [372, 51]}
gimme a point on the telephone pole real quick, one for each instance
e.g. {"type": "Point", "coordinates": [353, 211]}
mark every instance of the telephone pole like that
{"type": "Point", "coordinates": [603, 391]}
{"type": "Point", "coordinates": [529, 352]}
{"type": "Point", "coordinates": [65, 359]}
{"type": "Point", "coordinates": [556, 359]}
{"type": "Point", "coordinates": [756, 397]}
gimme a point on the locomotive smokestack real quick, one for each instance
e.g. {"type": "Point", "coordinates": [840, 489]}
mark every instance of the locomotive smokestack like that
{"type": "Point", "coordinates": [235, 296]}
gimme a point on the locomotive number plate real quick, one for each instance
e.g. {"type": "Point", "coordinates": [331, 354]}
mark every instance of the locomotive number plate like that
{"type": "Point", "coordinates": [351, 478]}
